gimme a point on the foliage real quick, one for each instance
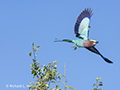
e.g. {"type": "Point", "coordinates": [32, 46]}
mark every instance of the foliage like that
{"type": "Point", "coordinates": [46, 74]}
{"type": "Point", "coordinates": [98, 83]}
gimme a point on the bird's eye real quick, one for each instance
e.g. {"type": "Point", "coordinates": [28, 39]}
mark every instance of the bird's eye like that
{"type": "Point", "coordinates": [81, 37]}
{"type": "Point", "coordinates": [89, 26]}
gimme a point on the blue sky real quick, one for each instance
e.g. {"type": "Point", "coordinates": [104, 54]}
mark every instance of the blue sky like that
{"type": "Point", "coordinates": [41, 21]}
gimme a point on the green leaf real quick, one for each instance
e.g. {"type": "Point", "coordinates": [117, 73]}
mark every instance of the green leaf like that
{"type": "Point", "coordinates": [63, 75]}
{"type": "Point", "coordinates": [34, 60]}
{"type": "Point", "coordinates": [95, 89]}
{"type": "Point", "coordinates": [52, 89]}
{"type": "Point", "coordinates": [30, 53]}
{"type": "Point", "coordinates": [37, 62]}
{"type": "Point", "coordinates": [32, 45]}
{"type": "Point", "coordinates": [54, 62]}
{"type": "Point", "coordinates": [57, 72]}
{"type": "Point", "coordinates": [100, 84]}
{"type": "Point", "coordinates": [32, 82]}
{"type": "Point", "coordinates": [60, 74]}
{"type": "Point", "coordinates": [41, 70]}
{"type": "Point", "coordinates": [49, 64]}
{"type": "Point", "coordinates": [33, 72]}
{"type": "Point", "coordinates": [58, 81]}
{"type": "Point", "coordinates": [53, 74]}
{"type": "Point", "coordinates": [55, 66]}
{"type": "Point", "coordinates": [31, 87]}
{"type": "Point", "coordinates": [36, 54]}
{"type": "Point", "coordinates": [33, 66]}
{"type": "Point", "coordinates": [37, 49]}
{"type": "Point", "coordinates": [58, 87]}
{"type": "Point", "coordinates": [47, 85]}
{"type": "Point", "coordinates": [30, 64]}
{"type": "Point", "coordinates": [59, 77]}
{"type": "Point", "coordinates": [38, 46]}
{"type": "Point", "coordinates": [70, 87]}
{"type": "Point", "coordinates": [98, 78]}
{"type": "Point", "coordinates": [41, 76]}
{"type": "Point", "coordinates": [44, 66]}
{"type": "Point", "coordinates": [53, 81]}
{"type": "Point", "coordinates": [38, 68]}
{"type": "Point", "coordinates": [54, 70]}
{"type": "Point", "coordinates": [94, 84]}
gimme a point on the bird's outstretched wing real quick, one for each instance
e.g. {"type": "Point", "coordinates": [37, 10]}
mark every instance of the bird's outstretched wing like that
{"type": "Point", "coordinates": [82, 24]}
{"type": "Point", "coordinates": [93, 49]}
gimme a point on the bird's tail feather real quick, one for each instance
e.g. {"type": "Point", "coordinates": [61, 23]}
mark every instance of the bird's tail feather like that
{"type": "Point", "coordinates": [68, 40]}
{"type": "Point", "coordinates": [106, 59]}
{"type": "Point", "coordinates": [64, 40]}
{"type": "Point", "coordinates": [57, 40]}
{"type": "Point", "coordinates": [93, 49]}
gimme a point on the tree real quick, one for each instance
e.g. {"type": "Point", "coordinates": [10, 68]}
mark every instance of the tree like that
{"type": "Point", "coordinates": [98, 83]}
{"type": "Point", "coordinates": [46, 75]}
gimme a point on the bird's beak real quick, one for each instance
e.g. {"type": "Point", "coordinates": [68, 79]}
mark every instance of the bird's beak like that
{"type": "Point", "coordinates": [97, 42]}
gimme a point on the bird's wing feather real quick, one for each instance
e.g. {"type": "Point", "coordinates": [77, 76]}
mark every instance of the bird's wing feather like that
{"type": "Point", "coordinates": [82, 24]}
{"type": "Point", "coordinates": [93, 49]}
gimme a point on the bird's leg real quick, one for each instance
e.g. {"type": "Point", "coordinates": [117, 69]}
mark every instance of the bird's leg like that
{"type": "Point", "coordinates": [75, 48]}
{"type": "Point", "coordinates": [74, 45]}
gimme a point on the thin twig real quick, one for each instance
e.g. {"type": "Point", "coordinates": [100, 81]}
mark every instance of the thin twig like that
{"type": "Point", "coordinates": [65, 76]}
{"type": "Point", "coordinates": [34, 54]}
{"type": "Point", "coordinates": [35, 59]}
{"type": "Point", "coordinates": [97, 85]}
{"type": "Point", "coordinates": [62, 81]}
{"type": "Point", "coordinates": [56, 81]}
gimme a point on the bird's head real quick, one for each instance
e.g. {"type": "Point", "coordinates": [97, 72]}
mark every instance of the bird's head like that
{"type": "Point", "coordinates": [90, 43]}
{"type": "Point", "coordinates": [93, 42]}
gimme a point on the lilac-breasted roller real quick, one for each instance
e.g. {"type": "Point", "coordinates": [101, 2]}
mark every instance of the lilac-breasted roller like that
{"type": "Point", "coordinates": [81, 30]}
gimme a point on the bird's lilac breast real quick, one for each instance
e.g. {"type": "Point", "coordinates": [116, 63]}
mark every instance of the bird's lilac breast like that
{"type": "Point", "coordinates": [87, 43]}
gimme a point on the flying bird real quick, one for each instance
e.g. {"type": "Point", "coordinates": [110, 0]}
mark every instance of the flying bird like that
{"type": "Point", "coordinates": [81, 29]}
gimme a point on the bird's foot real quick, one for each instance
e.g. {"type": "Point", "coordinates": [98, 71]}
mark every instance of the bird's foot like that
{"type": "Point", "coordinates": [75, 48]}
{"type": "Point", "coordinates": [74, 45]}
